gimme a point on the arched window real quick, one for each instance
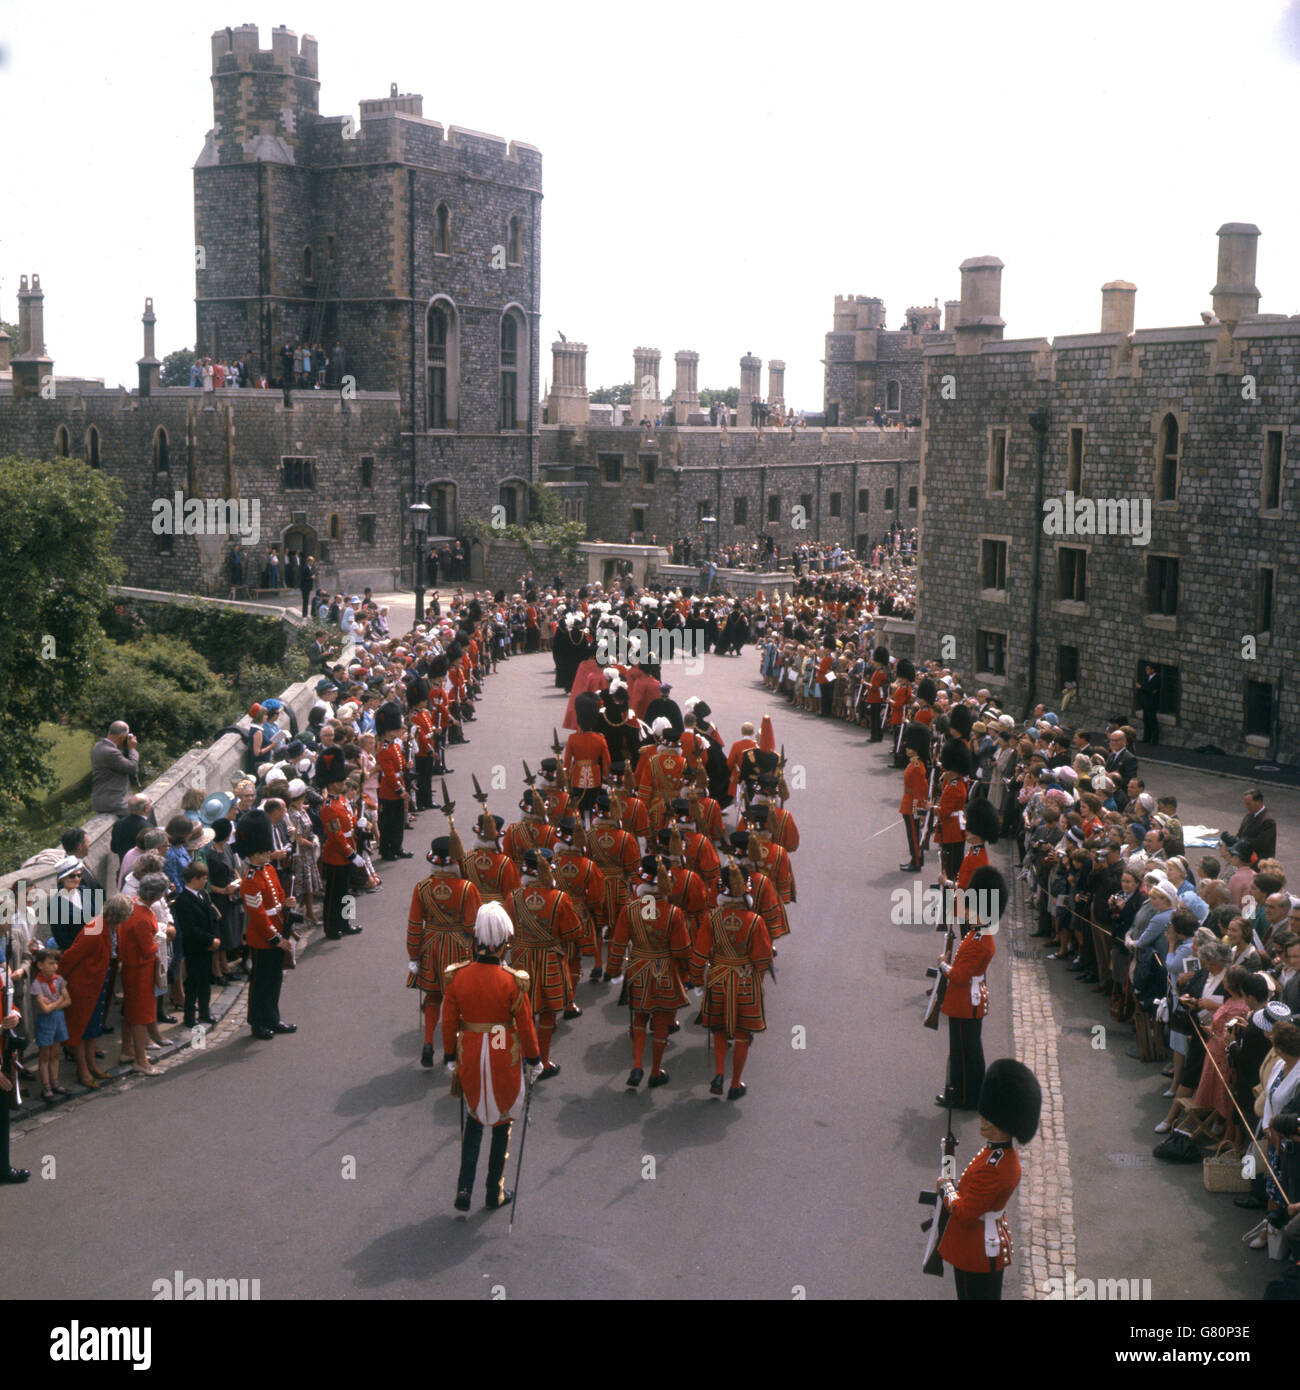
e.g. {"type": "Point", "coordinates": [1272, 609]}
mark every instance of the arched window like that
{"type": "Point", "coordinates": [329, 248]}
{"type": "Point", "coordinates": [443, 361]}
{"type": "Point", "coordinates": [92, 447]}
{"type": "Point", "coordinates": [308, 264]}
{"type": "Point", "coordinates": [161, 463]}
{"type": "Point", "coordinates": [514, 254]}
{"type": "Point", "coordinates": [893, 396]}
{"type": "Point", "coordinates": [441, 497]}
{"type": "Point", "coordinates": [1167, 460]}
{"type": "Point", "coordinates": [442, 231]}
{"type": "Point", "coordinates": [62, 442]}
{"type": "Point", "coordinates": [515, 376]}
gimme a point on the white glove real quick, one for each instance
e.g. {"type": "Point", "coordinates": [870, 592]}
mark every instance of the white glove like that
{"type": "Point", "coordinates": [533, 1072]}
{"type": "Point", "coordinates": [413, 968]}
{"type": "Point", "coordinates": [358, 861]}
{"type": "Point", "coordinates": [698, 992]}
{"type": "Point", "coordinates": [1162, 1011]}
{"type": "Point", "coordinates": [451, 1068]}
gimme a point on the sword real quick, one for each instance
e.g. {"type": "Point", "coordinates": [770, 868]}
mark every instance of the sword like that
{"type": "Point", "coordinates": [556, 746]}
{"type": "Point", "coordinates": [519, 1167]}
{"type": "Point", "coordinates": [529, 777]}
{"type": "Point", "coordinates": [448, 805]}
{"type": "Point", "coordinates": [479, 794]}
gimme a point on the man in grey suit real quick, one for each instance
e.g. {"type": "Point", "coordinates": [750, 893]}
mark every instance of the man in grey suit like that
{"type": "Point", "coordinates": [114, 760]}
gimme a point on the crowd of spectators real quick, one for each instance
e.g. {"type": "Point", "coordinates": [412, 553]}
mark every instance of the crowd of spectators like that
{"type": "Point", "coordinates": [302, 367]}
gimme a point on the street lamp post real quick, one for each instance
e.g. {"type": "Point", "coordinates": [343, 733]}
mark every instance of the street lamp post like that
{"type": "Point", "coordinates": [420, 512]}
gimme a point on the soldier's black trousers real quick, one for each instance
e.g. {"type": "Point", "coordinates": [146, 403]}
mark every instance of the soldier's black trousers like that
{"type": "Point", "coordinates": [335, 877]}
{"type": "Point", "coordinates": [965, 1060]}
{"type": "Point", "coordinates": [392, 823]}
{"type": "Point", "coordinates": [877, 716]}
{"type": "Point", "coordinates": [913, 839]}
{"type": "Point", "coordinates": [264, 987]}
{"type": "Point", "coordinates": [978, 1286]}
{"type": "Point", "coordinates": [424, 781]}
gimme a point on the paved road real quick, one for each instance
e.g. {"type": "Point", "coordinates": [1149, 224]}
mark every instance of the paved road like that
{"type": "Point", "coordinates": [236, 1164]}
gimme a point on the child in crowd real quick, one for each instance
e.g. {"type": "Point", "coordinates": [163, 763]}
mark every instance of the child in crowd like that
{"type": "Point", "coordinates": [49, 998]}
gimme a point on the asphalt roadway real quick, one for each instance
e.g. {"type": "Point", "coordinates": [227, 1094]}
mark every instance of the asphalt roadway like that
{"type": "Point", "coordinates": [324, 1164]}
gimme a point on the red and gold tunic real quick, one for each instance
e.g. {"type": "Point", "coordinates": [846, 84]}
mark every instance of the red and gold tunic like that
{"type": "Point", "coordinates": [636, 816]}
{"type": "Point", "coordinates": [967, 995]}
{"type": "Point", "coordinates": [488, 1023]}
{"type": "Point", "coordinates": [658, 946]}
{"type": "Point", "coordinates": [708, 818]}
{"type": "Point", "coordinates": [586, 761]}
{"type": "Point", "coordinates": [545, 923]}
{"type": "Point", "coordinates": [526, 834]}
{"type": "Point", "coordinates": [898, 703]}
{"type": "Point", "coordinates": [876, 686]}
{"type": "Point", "coordinates": [263, 906]}
{"type": "Point", "coordinates": [702, 858]}
{"type": "Point", "coordinates": [340, 832]}
{"type": "Point", "coordinates": [690, 893]}
{"type": "Point", "coordinates": [490, 871]}
{"type": "Point", "coordinates": [557, 803]}
{"type": "Point", "coordinates": [952, 805]}
{"type": "Point", "coordinates": [392, 770]}
{"type": "Point", "coordinates": [916, 787]}
{"type": "Point", "coordinates": [768, 905]}
{"type": "Point", "coordinates": [738, 751]}
{"type": "Point", "coordinates": [585, 885]}
{"type": "Point", "coordinates": [782, 829]}
{"type": "Point", "coordinates": [976, 1238]}
{"type": "Point", "coordinates": [977, 857]}
{"type": "Point", "coordinates": [775, 863]}
{"type": "Point", "coordinates": [734, 948]}
{"type": "Point", "coordinates": [440, 928]}
{"type": "Point", "coordinates": [615, 854]}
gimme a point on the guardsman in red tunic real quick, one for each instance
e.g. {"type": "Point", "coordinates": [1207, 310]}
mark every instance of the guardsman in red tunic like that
{"type": "Point", "coordinates": [487, 1039]}
{"type": "Point", "coordinates": [545, 923]}
{"type": "Point", "coordinates": [585, 885]}
{"type": "Point", "coordinates": [660, 776]}
{"type": "Point", "coordinates": [698, 853]}
{"type": "Point", "coordinates": [586, 756]}
{"type": "Point", "coordinates": [616, 855]}
{"type": "Point", "coordinates": [767, 901]}
{"type": "Point", "coordinates": [393, 797]}
{"type": "Point", "coordinates": [531, 831]}
{"type": "Point", "coordinates": [339, 853]}
{"type": "Point", "coordinates": [875, 697]}
{"type": "Point", "coordinates": [916, 792]}
{"type": "Point", "coordinates": [552, 790]}
{"type": "Point", "coordinates": [780, 823]}
{"type": "Point", "coordinates": [439, 931]}
{"type": "Point", "coordinates": [769, 858]}
{"type": "Point", "coordinates": [266, 932]}
{"type": "Point", "coordinates": [486, 866]}
{"type": "Point", "coordinates": [729, 957]}
{"type": "Point", "coordinates": [956, 767]}
{"type": "Point", "coordinates": [706, 814]}
{"type": "Point", "coordinates": [967, 998]}
{"type": "Point", "coordinates": [926, 691]}
{"type": "Point", "coordinates": [981, 829]}
{"type": "Point", "coordinates": [742, 745]}
{"type": "Point", "coordinates": [899, 699]}
{"type": "Point", "coordinates": [658, 947]}
{"type": "Point", "coordinates": [976, 1242]}
{"type": "Point", "coordinates": [421, 721]}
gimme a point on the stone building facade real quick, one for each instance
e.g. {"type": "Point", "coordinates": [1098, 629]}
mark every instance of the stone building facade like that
{"type": "Point", "coordinates": [1038, 576]}
{"type": "Point", "coordinates": [868, 365]}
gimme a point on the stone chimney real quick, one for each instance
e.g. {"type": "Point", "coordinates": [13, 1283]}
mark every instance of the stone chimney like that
{"type": "Point", "coordinates": [149, 366]}
{"type": "Point", "coordinates": [646, 401]}
{"type": "Point", "coordinates": [951, 313]}
{"type": "Point", "coordinates": [5, 343]}
{"type": "Point", "coordinates": [979, 318]}
{"type": "Point", "coordinates": [751, 370]}
{"type": "Point", "coordinates": [776, 385]}
{"type": "Point", "coordinates": [872, 312]}
{"type": "Point", "coordinates": [1117, 300]}
{"type": "Point", "coordinates": [30, 365]}
{"type": "Point", "coordinates": [568, 403]}
{"type": "Point", "coordinates": [1235, 293]}
{"type": "Point", "coordinates": [686, 392]}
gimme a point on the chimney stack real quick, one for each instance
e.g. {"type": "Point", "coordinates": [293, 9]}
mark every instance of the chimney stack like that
{"type": "Point", "coordinates": [5, 343]}
{"type": "Point", "coordinates": [686, 392]}
{"type": "Point", "coordinates": [148, 365]}
{"type": "Point", "coordinates": [1117, 300]}
{"type": "Point", "coordinates": [31, 365]}
{"type": "Point", "coordinates": [1235, 293]}
{"type": "Point", "coordinates": [568, 403]}
{"type": "Point", "coordinates": [979, 318]}
{"type": "Point", "coordinates": [646, 401]}
{"type": "Point", "coordinates": [751, 369]}
{"type": "Point", "coordinates": [776, 386]}
{"type": "Point", "coordinates": [951, 313]}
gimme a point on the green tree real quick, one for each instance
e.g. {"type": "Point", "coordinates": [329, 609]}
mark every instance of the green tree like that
{"type": "Point", "coordinates": [61, 520]}
{"type": "Point", "coordinates": [12, 330]}
{"type": "Point", "coordinates": [176, 367]}
{"type": "Point", "coordinates": [729, 397]}
{"type": "Point", "coordinates": [613, 395]}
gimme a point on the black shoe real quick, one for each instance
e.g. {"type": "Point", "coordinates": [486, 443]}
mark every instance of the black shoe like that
{"type": "Point", "coordinates": [736, 1091]}
{"type": "Point", "coordinates": [573, 1011]}
{"type": "Point", "coordinates": [659, 1078]}
{"type": "Point", "coordinates": [945, 1100]}
{"type": "Point", "coordinates": [1089, 977]}
{"type": "Point", "coordinates": [209, 1020]}
{"type": "Point", "coordinates": [426, 1055]}
{"type": "Point", "coordinates": [549, 1070]}
{"type": "Point", "coordinates": [677, 1027]}
{"type": "Point", "coordinates": [595, 975]}
{"type": "Point", "coordinates": [187, 1023]}
{"type": "Point", "coordinates": [634, 1077]}
{"type": "Point", "coordinates": [351, 930]}
{"type": "Point", "coordinates": [262, 1034]}
{"type": "Point", "coordinates": [388, 859]}
{"type": "Point", "coordinates": [166, 1018]}
{"type": "Point", "coordinates": [1251, 1203]}
{"type": "Point", "coordinates": [608, 976]}
{"type": "Point", "coordinates": [333, 936]}
{"type": "Point", "coordinates": [13, 1175]}
{"type": "Point", "coordinates": [715, 1086]}
{"type": "Point", "coordinates": [507, 1196]}
{"type": "Point", "coordinates": [909, 868]}
{"type": "Point", "coordinates": [284, 1028]}
{"type": "Point", "coordinates": [464, 1200]}
{"type": "Point", "coordinates": [108, 1028]}
{"type": "Point", "coordinates": [405, 854]}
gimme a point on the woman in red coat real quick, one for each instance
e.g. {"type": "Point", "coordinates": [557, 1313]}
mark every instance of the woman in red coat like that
{"type": "Point", "coordinates": [137, 949]}
{"type": "Point", "coordinates": [84, 967]}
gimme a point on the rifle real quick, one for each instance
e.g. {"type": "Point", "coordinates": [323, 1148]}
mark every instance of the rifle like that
{"type": "Point", "coordinates": [931, 1262]}
{"type": "Point", "coordinates": [939, 988]}
{"type": "Point", "coordinates": [13, 1098]}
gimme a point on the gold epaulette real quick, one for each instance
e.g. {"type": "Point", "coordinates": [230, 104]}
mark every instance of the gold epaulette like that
{"type": "Point", "coordinates": [520, 975]}
{"type": "Point", "coordinates": [451, 969]}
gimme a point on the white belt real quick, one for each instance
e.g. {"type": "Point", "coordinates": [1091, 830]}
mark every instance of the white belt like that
{"type": "Point", "coordinates": [992, 1236]}
{"type": "Point", "coordinates": [976, 982]}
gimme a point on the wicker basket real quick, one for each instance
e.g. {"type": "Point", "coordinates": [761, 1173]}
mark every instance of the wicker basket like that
{"type": "Point", "coordinates": [1221, 1171]}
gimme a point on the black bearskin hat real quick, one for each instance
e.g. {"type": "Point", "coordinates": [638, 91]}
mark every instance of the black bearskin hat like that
{"type": "Point", "coordinates": [253, 834]}
{"type": "Point", "coordinates": [881, 656]}
{"type": "Point", "coordinates": [989, 883]}
{"type": "Point", "coordinates": [961, 720]}
{"type": "Point", "coordinates": [917, 736]}
{"type": "Point", "coordinates": [926, 689]}
{"type": "Point", "coordinates": [586, 710]}
{"type": "Point", "coordinates": [474, 611]}
{"type": "Point", "coordinates": [438, 667]}
{"type": "Point", "coordinates": [388, 718]}
{"type": "Point", "coordinates": [904, 670]}
{"type": "Point", "coordinates": [331, 767]}
{"type": "Point", "coordinates": [956, 757]}
{"type": "Point", "coordinates": [982, 821]}
{"type": "Point", "coordinates": [417, 693]}
{"type": "Point", "coordinates": [1011, 1099]}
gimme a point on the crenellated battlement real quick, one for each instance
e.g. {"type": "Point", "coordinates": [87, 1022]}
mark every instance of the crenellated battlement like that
{"type": "Point", "coordinates": [238, 49]}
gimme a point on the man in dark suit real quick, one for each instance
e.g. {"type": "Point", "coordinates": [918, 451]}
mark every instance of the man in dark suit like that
{"type": "Point", "coordinates": [199, 924]}
{"type": "Point", "coordinates": [306, 582]}
{"type": "Point", "coordinates": [1148, 693]}
{"type": "Point", "coordinates": [1120, 762]}
{"type": "Point", "coordinates": [125, 828]}
{"type": "Point", "coordinates": [1258, 828]}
